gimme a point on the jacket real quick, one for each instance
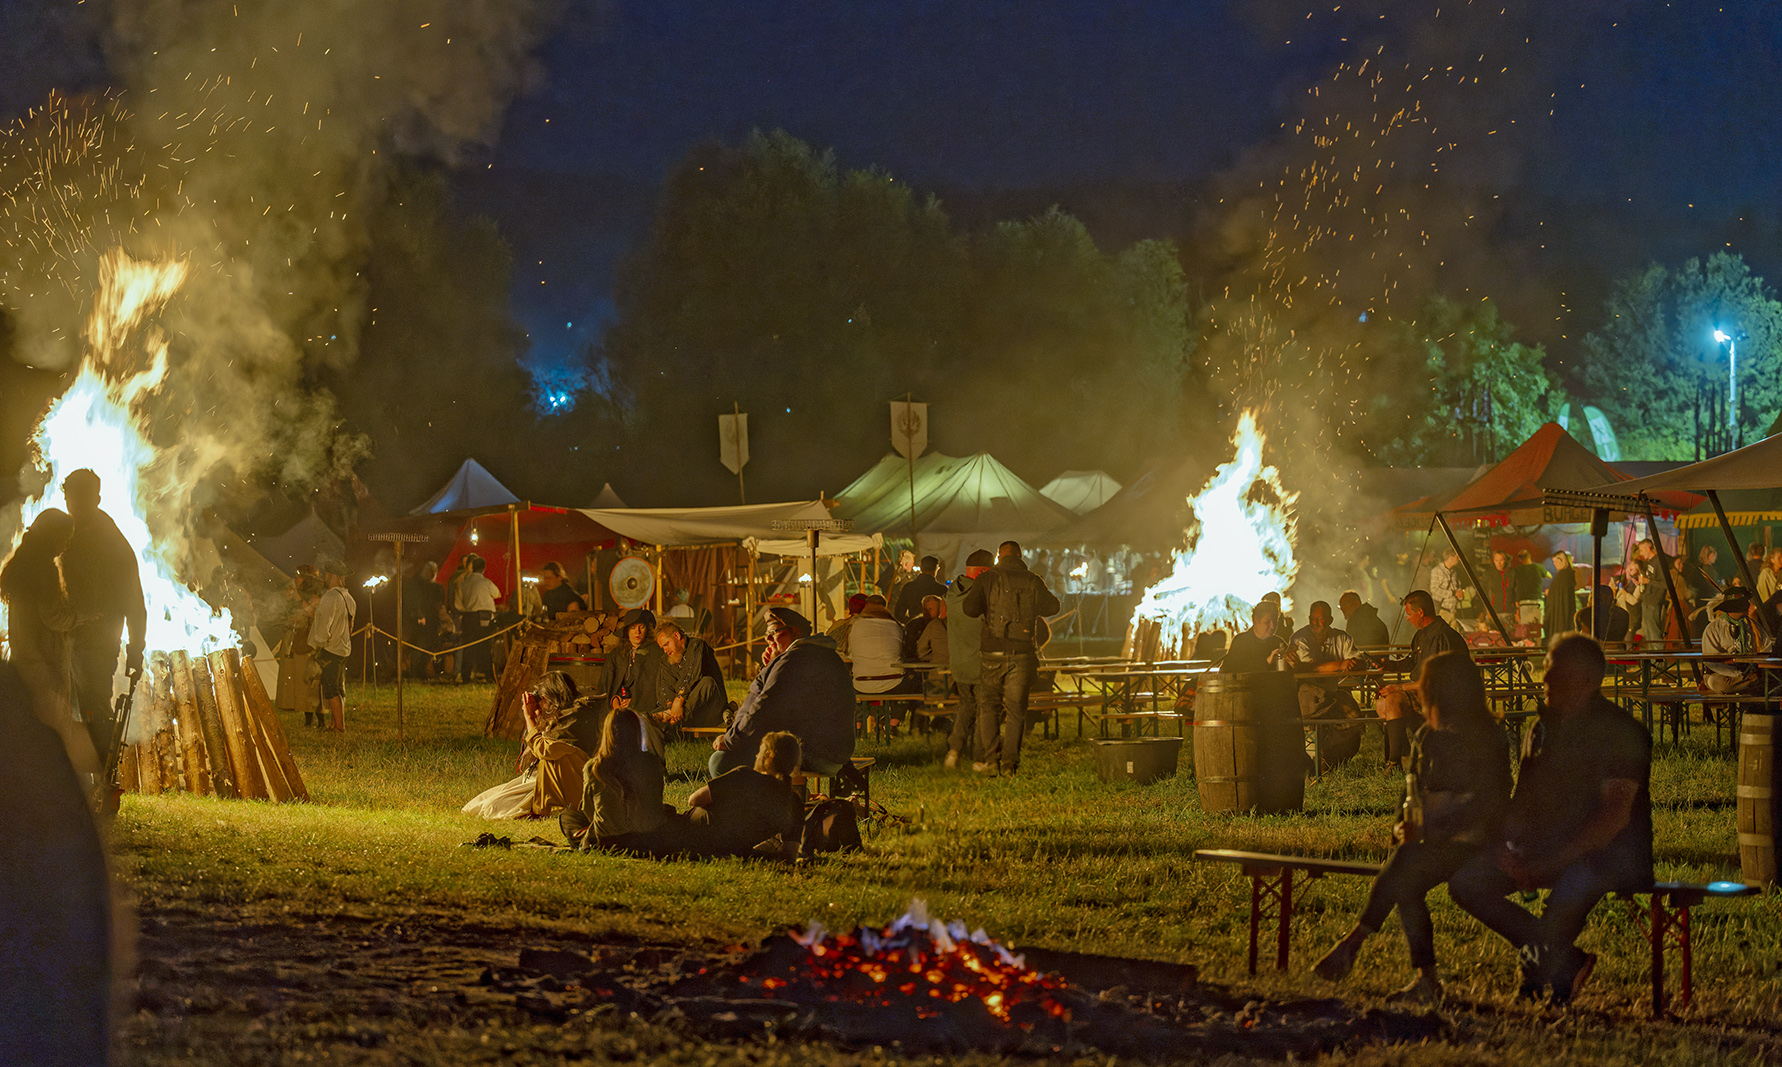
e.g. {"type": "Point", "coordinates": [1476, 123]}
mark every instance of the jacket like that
{"type": "Point", "coordinates": [1009, 598]}
{"type": "Point", "coordinates": [963, 634]}
{"type": "Point", "coordinates": [808, 691]}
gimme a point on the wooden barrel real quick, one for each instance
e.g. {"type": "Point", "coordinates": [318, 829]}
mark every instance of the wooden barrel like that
{"type": "Point", "coordinates": [1249, 750]}
{"type": "Point", "coordinates": [1757, 799]}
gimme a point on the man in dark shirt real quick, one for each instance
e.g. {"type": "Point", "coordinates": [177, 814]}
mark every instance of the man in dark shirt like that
{"type": "Point", "coordinates": [1580, 823]}
{"type": "Point", "coordinates": [105, 591]}
{"type": "Point", "coordinates": [1011, 600]}
{"type": "Point", "coordinates": [423, 603]}
{"type": "Point", "coordinates": [555, 592]}
{"type": "Point", "coordinates": [690, 690]}
{"type": "Point", "coordinates": [1362, 622]}
{"type": "Point", "coordinates": [1258, 648]}
{"type": "Point", "coordinates": [805, 689]}
{"type": "Point", "coordinates": [1397, 704]}
{"type": "Point", "coordinates": [908, 604]}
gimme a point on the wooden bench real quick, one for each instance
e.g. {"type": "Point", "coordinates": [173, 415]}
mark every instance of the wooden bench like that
{"type": "Point", "coordinates": [1711, 703]}
{"type": "Point", "coordinates": [1663, 916]}
{"type": "Point", "coordinates": [879, 725]}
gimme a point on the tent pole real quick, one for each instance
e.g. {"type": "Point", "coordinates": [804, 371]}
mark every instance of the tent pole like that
{"type": "Point", "coordinates": [400, 655]}
{"type": "Point", "coordinates": [1763, 618]}
{"type": "Point", "coordinates": [658, 583]}
{"type": "Point", "coordinates": [1473, 578]}
{"type": "Point", "coordinates": [515, 602]}
{"type": "Point", "coordinates": [749, 621]}
{"type": "Point", "coordinates": [1421, 552]}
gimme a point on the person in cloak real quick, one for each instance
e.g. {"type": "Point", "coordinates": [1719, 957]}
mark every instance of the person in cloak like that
{"type": "Point", "coordinates": [629, 677]}
{"type": "Point", "coordinates": [1362, 622]}
{"type": "Point", "coordinates": [691, 684]}
{"type": "Point", "coordinates": [105, 594]}
{"type": "Point", "coordinates": [805, 689]}
{"type": "Point", "coordinates": [1562, 596]}
{"type": "Point", "coordinates": [1399, 704]}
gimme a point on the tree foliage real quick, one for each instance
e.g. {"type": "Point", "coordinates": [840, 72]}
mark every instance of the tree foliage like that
{"type": "Point", "coordinates": [1452, 387]}
{"type": "Point", "coordinates": [812, 295]}
{"type": "Point", "coordinates": [1656, 370]}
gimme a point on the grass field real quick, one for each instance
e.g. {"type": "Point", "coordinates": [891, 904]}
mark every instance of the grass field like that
{"type": "Point", "coordinates": [1049, 858]}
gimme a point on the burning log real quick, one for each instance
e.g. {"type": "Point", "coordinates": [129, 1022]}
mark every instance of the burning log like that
{"type": "Point", "coordinates": [205, 726]}
{"type": "Point", "coordinates": [566, 635]}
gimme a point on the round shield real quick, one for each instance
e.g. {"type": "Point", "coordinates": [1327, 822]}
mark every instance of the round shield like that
{"type": "Point", "coordinates": [632, 582]}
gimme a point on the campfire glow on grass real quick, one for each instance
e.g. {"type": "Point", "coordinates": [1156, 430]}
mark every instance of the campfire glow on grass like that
{"type": "Point", "coordinates": [1238, 546]}
{"type": "Point", "coordinates": [920, 958]}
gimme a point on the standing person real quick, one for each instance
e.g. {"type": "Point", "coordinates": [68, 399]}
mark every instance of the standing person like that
{"type": "Point", "coordinates": [1444, 586]}
{"type": "Point", "coordinates": [1362, 622]}
{"type": "Point", "coordinates": [105, 591]}
{"type": "Point", "coordinates": [1703, 581]}
{"type": "Point", "coordinates": [455, 616]}
{"type": "Point", "coordinates": [1580, 823]}
{"type": "Point", "coordinates": [39, 620]}
{"type": "Point", "coordinates": [475, 606]}
{"type": "Point", "coordinates": [1650, 593]}
{"type": "Point", "coordinates": [1456, 790]}
{"type": "Point", "coordinates": [1562, 596]}
{"type": "Point", "coordinates": [1500, 589]}
{"type": "Point", "coordinates": [331, 636]}
{"type": "Point", "coordinates": [1769, 579]}
{"type": "Point", "coordinates": [925, 582]}
{"type": "Point", "coordinates": [899, 577]}
{"type": "Point", "coordinates": [1011, 600]}
{"type": "Point", "coordinates": [298, 677]}
{"type": "Point", "coordinates": [424, 604]}
{"type": "Point", "coordinates": [1397, 704]}
{"type": "Point", "coordinates": [964, 637]}
{"type": "Point", "coordinates": [1527, 582]}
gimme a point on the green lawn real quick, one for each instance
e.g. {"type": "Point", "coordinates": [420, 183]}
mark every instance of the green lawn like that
{"type": "Point", "coordinates": [1051, 858]}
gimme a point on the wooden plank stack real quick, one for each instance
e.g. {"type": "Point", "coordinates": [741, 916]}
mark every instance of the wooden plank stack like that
{"type": "Point", "coordinates": [205, 725]}
{"type": "Point", "coordinates": [569, 634]}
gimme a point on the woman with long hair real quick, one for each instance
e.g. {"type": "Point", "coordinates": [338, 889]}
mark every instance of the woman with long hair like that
{"type": "Point", "coordinates": [551, 761]}
{"type": "Point", "coordinates": [622, 791]}
{"type": "Point", "coordinates": [1456, 792]}
{"type": "Point", "coordinates": [39, 620]}
{"type": "Point", "coordinates": [1562, 596]}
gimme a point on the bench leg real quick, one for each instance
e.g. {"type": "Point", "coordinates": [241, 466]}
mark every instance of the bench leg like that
{"type": "Point", "coordinates": [1655, 931]}
{"type": "Point", "coordinates": [1271, 885]}
{"type": "Point", "coordinates": [1688, 978]}
{"type": "Point", "coordinates": [1286, 920]}
{"type": "Point", "coordinates": [1255, 916]}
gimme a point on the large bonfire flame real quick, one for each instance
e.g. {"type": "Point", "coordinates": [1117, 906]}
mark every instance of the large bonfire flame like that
{"type": "Point", "coordinates": [1239, 545]}
{"type": "Point", "coordinates": [922, 958]}
{"type": "Point", "coordinates": [97, 425]}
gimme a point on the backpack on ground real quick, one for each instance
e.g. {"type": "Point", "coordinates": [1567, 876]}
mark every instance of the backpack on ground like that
{"type": "Point", "coordinates": [831, 826]}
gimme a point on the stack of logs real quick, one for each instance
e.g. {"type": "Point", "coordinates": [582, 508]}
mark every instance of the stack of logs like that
{"type": "Point", "coordinates": [205, 726]}
{"type": "Point", "coordinates": [569, 634]}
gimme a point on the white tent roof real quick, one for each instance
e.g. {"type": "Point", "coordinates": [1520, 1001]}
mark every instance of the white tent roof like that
{"type": "Point", "coordinates": [308, 541]}
{"type": "Point", "coordinates": [471, 488]}
{"type": "Point", "coordinates": [969, 495]}
{"type": "Point", "coordinates": [608, 498]}
{"type": "Point", "coordinates": [1756, 466]}
{"type": "Point", "coordinates": [744, 523]}
{"type": "Point", "coordinates": [1080, 491]}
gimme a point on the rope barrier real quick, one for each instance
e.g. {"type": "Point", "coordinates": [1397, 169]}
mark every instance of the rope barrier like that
{"type": "Point", "coordinates": [440, 651]}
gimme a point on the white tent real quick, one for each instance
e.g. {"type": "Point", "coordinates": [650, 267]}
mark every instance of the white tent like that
{"type": "Point", "coordinates": [608, 498]}
{"type": "Point", "coordinates": [746, 524]}
{"type": "Point", "coordinates": [306, 542]}
{"type": "Point", "coordinates": [960, 504]}
{"type": "Point", "coordinates": [1080, 491]}
{"type": "Point", "coordinates": [470, 489]}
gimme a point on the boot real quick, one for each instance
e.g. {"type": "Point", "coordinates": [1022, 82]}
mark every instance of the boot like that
{"type": "Point", "coordinates": [952, 759]}
{"type": "Point", "coordinates": [309, 718]}
{"type": "Point", "coordinates": [1340, 960]}
{"type": "Point", "coordinates": [1424, 989]}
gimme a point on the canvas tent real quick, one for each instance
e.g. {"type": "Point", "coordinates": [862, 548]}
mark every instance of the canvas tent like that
{"type": "Point", "coordinates": [1080, 492]}
{"type": "Point", "coordinates": [472, 488]}
{"type": "Point", "coordinates": [960, 504]}
{"type": "Point", "coordinates": [306, 542]}
{"type": "Point", "coordinates": [608, 498]}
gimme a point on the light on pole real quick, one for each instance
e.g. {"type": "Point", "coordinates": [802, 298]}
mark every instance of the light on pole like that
{"type": "Point", "coordinates": [1732, 383]}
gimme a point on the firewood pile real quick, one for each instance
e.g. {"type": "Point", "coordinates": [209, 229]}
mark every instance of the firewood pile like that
{"type": "Point", "coordinates": [569, 634]}
{"type": "Point", "coordinates": [935, 990]}
{"type": "Point", "coordinates": [205, 725]}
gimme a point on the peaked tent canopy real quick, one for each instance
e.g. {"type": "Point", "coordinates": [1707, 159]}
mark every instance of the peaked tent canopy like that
{"type": "Point", "coordinates": [960, 504]}
{"type": "Point", "coordinates": [1749, 481]}
{"type": "Point", "coordinates": [1510, 493]}
{"type": "Point", "coordinates": [470, 489]}
{"type": "Point", "coordinates": [608, 498]}
{"type": "Point", "coordinates": [306, 542]}
{"type": "Point", "coordinates": [1080, 491]}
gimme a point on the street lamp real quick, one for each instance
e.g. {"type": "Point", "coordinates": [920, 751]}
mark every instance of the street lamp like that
{"type": "Point", "coordinates": [1732, 383]}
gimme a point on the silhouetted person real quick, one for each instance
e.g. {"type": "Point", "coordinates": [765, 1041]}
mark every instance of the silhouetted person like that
{"type": "Point", "coordinates": [105, 591]}
{"type": "Point", "coordinates": [39, 620]}
{"type": "Point", "coordinates": [1011, 600]}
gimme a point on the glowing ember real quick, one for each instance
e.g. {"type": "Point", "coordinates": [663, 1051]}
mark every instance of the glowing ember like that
{"type": "Point", "coordinates": [97, 424]}
{"type": "Point", "coordinates": [921, 960]}
{"type": "Point", "coordinates": [1239, 545]}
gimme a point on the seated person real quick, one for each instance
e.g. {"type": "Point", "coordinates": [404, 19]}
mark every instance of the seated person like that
{"type": "Point", "coordinates": [621, 805]}
{"type": "Point", "coordinates": [804, 688]}
{"type": "Point", "coordinates": [1580, 823]}
{"type": "Point", "coordinates": [1732, 632]}
{"type": "Point", "coordinates": [551, 761]}
{"type": "Point", "coordinates": [841, 628]}
{"type": "Point", "coordinates": [1257, 649]}
{"type": "Point", "coordinates": [875, 642]}
{"type": "Point", "coordinates": [682, 611]}
{"type": "Point", "coordinates": [632, 671]}
{"type": "Point", "coordinates": [1397, 704]}
{"type": "Point", "coordinates": [1455, 795]}
{"type": "Point", "coordinates": [556, 594]}
{"type": "Point", "coordinates": [1362, 622]}
{"type": "Point", "coordinates": [1322, 649]}
{"type": "Point", "coordinates": [1610, 621]}
{"type": "Point", "coordinates": [745, 806]}
{"type": "Point", "coordinates": [691, 685]}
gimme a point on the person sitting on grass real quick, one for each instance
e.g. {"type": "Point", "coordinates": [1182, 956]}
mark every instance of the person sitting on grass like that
{"type": "Point", "coordinates": [1455, 795]}
{"type": "Point", "coordinates": [803, 688]}
{"type": "Point", "coordinates": [551, 759]}
{"type": "Point", "coordinates": [746, 806]}
{"type": "Point", "coordinates": [690, 687]}
{"type": "Point", "coordinates": [621, 793]}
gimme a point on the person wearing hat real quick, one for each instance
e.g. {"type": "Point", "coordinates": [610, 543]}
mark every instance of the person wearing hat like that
{"type": "Point", "coordinates": [331, 636]}
{"type": "Point", "coordinates": [805, 689]}
{"type": "Point", "coordinates": [630, 676]}
{"type": "Point", "coordinates": [1730, 632]}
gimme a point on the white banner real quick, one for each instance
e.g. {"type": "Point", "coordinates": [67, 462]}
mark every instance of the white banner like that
{"type": "Point", "coordinates": [909, 428]}
{"type": "Point", "coordinates": [733, 441]}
